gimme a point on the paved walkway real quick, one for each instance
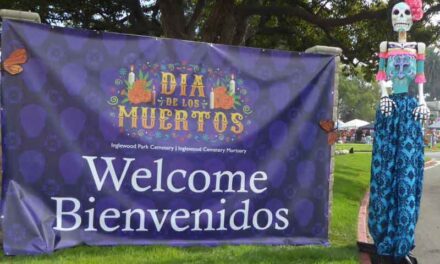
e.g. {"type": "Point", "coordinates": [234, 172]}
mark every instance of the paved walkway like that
{"type": "Point", "coordinates": [434, 155]}
{"type": "Point", "coordinates": [428, 228]}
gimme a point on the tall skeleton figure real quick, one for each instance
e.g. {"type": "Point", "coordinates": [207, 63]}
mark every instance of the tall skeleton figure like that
{"type": "Point", "coordinates": [398, 151]}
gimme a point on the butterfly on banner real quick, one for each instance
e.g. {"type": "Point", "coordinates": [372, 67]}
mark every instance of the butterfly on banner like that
{"type": "Point", "coordinates": [329, 127]}
{"type": "Point", "coordinates": [13, 63]}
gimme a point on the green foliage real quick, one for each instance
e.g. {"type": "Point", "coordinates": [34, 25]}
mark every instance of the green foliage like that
{"type": "Point", "coordinates": [357, 26]}
{"type": "Point", "coordinates": [357, 97]}
{"type": "Point", "coordinates": [432, 71]}
{"type": "Point", "coordinates": [351, 181]}
{"type": "Point", "coordinates": [129, 86]}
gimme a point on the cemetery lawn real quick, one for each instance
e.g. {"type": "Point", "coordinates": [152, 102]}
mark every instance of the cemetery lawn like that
{"type": "Point", "coordinates": [356, 147]}
{"type": "Point", "coordinates": [369, 148]}
{"type": "Point", "coordinates": [351, 182]}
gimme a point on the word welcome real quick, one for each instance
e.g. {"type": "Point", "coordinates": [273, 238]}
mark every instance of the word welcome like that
{"type": "Point", "coordinates": [197, 182]}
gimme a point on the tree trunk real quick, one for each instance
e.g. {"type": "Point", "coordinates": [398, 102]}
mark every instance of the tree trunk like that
{"type": "Point", "coordinates": [241, 32]}
{"type": "Point", "coordinates": [221, 25]}
{"type": "Point", "coordinates": [173, 19]}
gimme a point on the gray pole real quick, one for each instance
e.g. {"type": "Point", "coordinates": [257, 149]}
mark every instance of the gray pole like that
{"type": "Point", "coordinates": [20, 15]}
{"type": "Point", "coordinates": [337, 52]}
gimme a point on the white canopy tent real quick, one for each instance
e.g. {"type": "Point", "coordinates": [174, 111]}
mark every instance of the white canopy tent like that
{"type": "Point", "coordinates": [354, 124]}
{"type": "Point", "coordinates": [436, 125]}
{"type": "Point", "coordinates": [340, 123]}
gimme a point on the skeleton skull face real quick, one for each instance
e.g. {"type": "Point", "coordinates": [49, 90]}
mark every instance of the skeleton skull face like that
{"type": "Point", "coordinates": [402, 17]}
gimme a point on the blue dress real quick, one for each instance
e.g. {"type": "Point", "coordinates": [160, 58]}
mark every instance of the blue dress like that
{"type": "Point", "coordinates": [397, 163]}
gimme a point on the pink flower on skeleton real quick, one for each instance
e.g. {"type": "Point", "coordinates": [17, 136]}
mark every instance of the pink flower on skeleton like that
{"type": "Point", "coordinates": [416, 9]}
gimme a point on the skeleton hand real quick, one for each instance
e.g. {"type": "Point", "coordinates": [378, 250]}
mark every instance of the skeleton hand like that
{"type": "Point", "coordinates": [421, 113]}
{"type": "Point", "coordinates": [386, 106]}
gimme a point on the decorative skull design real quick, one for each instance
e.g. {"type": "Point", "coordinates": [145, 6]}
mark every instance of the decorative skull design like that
{"type": "Point", "coordinates": [402, 17]}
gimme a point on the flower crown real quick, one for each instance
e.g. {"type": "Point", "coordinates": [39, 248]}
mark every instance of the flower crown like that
{"type": "Point", "coordinates": [416, 9]}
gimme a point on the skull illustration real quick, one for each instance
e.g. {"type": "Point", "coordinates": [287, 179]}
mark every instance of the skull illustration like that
{"type": "Point", "coordinates": [402, 17]}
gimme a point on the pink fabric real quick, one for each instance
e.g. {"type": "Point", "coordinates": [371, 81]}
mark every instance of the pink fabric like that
{"type": "Point", "coordinates": [383, 55]}
{"type": "Point", "coordinates": [416, 9]}
{"type": "Point", "coordinates": [381, 76]}
{"type": "Point", "coordinates": [420, 78]}
{"type": "Point", "coordinates": [421, 56]}
{"type": "Point", "coordinates": [400, 52]}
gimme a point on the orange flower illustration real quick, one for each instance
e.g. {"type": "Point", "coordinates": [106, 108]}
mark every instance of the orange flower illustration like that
{"type": "Point", "coordinates": [138, 94]}
{"type": "Point", "coordinates": [221, 90]}
{"type": "Point", "coordinates": [221, 98]}
{"type": "Point", "coordinates": [229, 102]}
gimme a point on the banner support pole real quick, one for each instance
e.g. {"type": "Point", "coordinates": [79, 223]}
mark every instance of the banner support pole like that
{"type": "Point", "coordinates": [337, 52]}
{"type": "Point", "coordinates": [20, 15]}
{"type": "Point", "coordinates": [23, 16]}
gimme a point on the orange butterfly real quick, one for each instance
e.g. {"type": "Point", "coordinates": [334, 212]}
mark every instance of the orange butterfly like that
{"type": "Point", "coordinates": [12, 63]}
{"type": "Point", "coordinates": [329, 127]}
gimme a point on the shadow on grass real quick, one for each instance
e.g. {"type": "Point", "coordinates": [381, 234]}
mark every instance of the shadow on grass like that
{"type": "Point", "coordinates": [222, 254]}
{"type": "Point", "coordinates": [346, 170]}
{"type": "Point", "coordinates": [300, 255]}
{"type": "Point", "coordinates": [349, 189]}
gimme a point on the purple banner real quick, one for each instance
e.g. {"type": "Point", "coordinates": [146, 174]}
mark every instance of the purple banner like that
{"type": "Point", "coordinates": [115, 139]}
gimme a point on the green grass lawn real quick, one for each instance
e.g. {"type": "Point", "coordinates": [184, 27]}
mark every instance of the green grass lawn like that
{"type": "Point", "coordinates": [351, 181]}
{"type": "Point", "coordinates": [356, 147]}
{"type": "Point", "coordinates": [369, 148]}
{"type": "Point", "coordinates": [435, 149]}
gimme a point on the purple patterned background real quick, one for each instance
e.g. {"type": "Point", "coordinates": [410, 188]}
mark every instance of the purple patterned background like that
{"type": "Point", "coordinates": [57, 110]}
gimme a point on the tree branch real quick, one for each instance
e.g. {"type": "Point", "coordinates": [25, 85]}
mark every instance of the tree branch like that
{"type": "Point", "coordinates": [123, 20]}
{"type": "Point", "coordinates": [322, 7]}
{"type": "Point", "coordinates": [152, 8]}
{"type": "Point", "coordinates": [136, 13]}
{"type": "Point", "coordinates": [432, 10]}
{"type": "Point", "coordinates": [220, 26]}
{"type": "Point", "coordinates": [276, 31]}
{"type": "Point", "coordinates": [241, 31]}
{"type": "Point", "coordinates": [325, 23]}
{"type": "Point", "coordinates": [138, 21]}
{"type": "Point", "coordinates": [173, 18]}
{"type": "Point", "coordinates": [190, 27]}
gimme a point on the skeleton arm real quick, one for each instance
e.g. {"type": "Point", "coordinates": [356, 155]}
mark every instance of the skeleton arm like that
{"type": "Point", "coordinates": [381, 75]}
{"type": "Point", "coordinates": [420, 77]}
{"type": "Point", "coordinates": [422, 111]}
{"type": "Point", "coordinates": [386, 104]}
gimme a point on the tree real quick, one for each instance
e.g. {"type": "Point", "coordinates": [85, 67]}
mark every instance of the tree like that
{"type": "Point", "coordinates": [357, 97]}
{"type": "Point", "coordinates": [432, 71]}
{"type": "Point", "coordinates": [357, 26]}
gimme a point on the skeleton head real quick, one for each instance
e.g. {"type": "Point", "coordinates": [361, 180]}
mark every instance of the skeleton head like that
{"type": "Point", "coordinates": [402, 17]}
